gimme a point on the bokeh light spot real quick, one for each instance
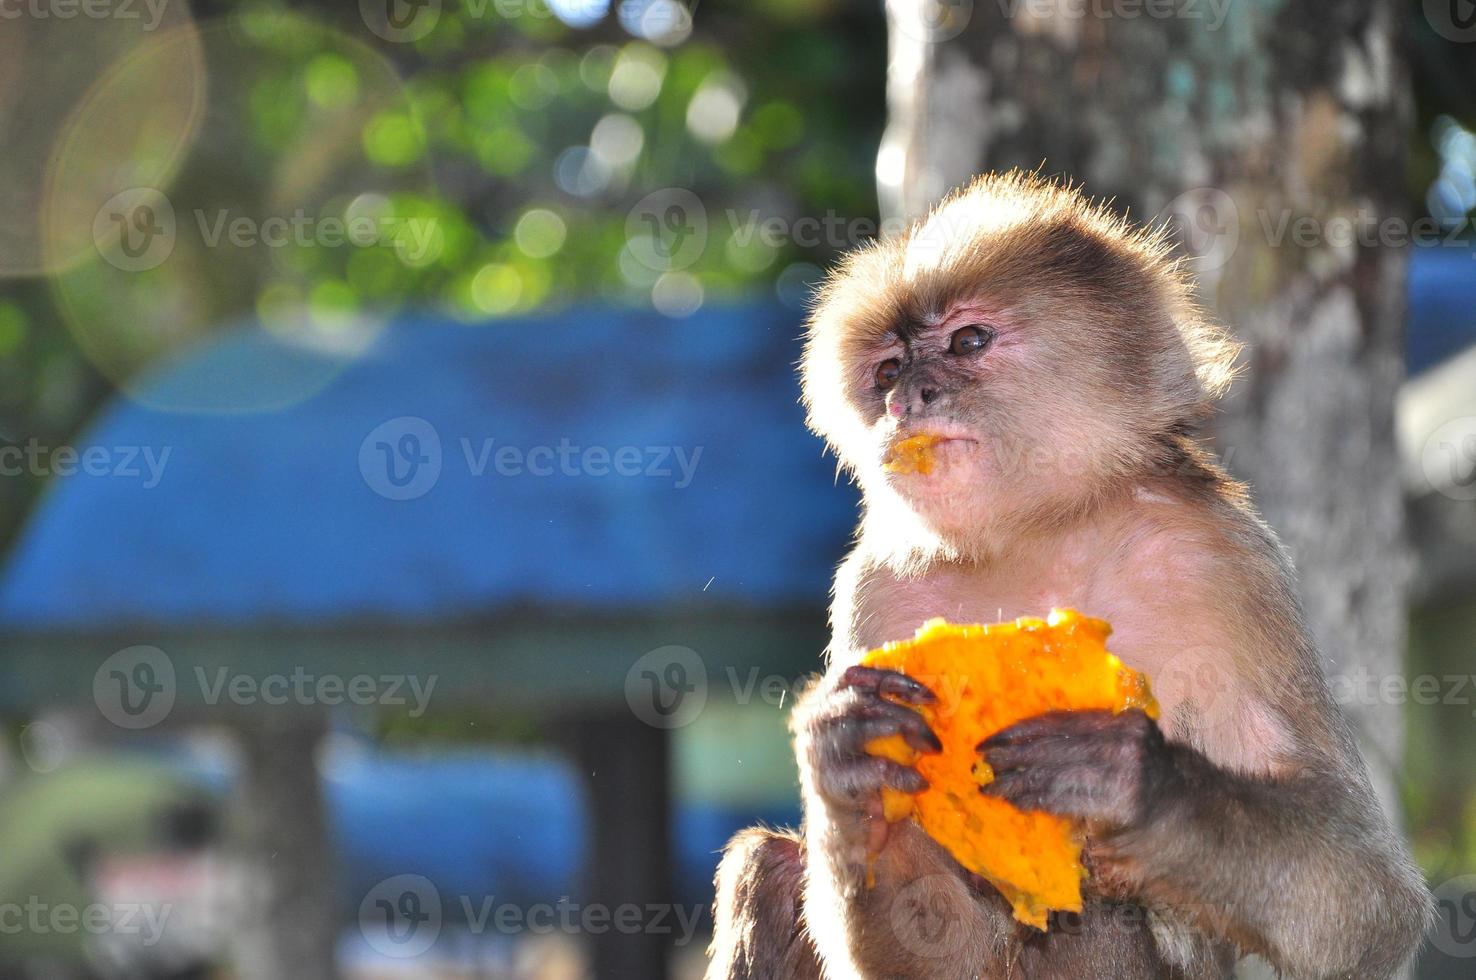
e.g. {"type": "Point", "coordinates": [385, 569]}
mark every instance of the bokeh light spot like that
{"type": "Point", "coordinates": [712, 115]}
{"type": "Point", "coordinates": [393, 139]}
{"type": "Point", "coordinates": [581, 172]}
{"type": "Point", "coordinates": [533, 86]}
{"type": "Point", "coordinates": [596, 67]}
{"type": "Point", "coordinates": [677, 294]}
{"type": "Point", "coordinates": [333, 304]}
{"type": "Point", "coordinates": [637, 76]}
{"type": "Point", "coordinates": [332, 81]}
{"type": "Point", "coordinates": [539, 233]}
{"type": "Point", "coordinates": [617, 139]}
{"type": "Point", "coordinates": [579, 13]}
{"type": "Point", "coordinates": [496, 288]}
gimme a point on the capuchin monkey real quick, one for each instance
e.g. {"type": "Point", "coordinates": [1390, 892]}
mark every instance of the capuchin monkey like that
{"type": "Point", "coordinates": [1060, 358]}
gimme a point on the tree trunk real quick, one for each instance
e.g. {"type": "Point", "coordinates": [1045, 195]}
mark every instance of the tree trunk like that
{"type": "Point", "coordinates": [1270, 130]}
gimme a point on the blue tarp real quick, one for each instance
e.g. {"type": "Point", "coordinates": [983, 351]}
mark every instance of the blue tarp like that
{"type": "Point", "coordinates": [593, 459]}
{"type": "Point", "coordinates": [1442, 303]}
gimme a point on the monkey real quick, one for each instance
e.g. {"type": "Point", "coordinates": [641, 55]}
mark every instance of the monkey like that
{"type": "Point", "coordinates": [1058, 355]}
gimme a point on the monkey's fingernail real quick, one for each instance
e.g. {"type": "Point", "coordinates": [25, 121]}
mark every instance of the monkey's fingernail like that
{"type": "Point", "coordinates": [912, 781]}
{"type": "Point", "coordinates": [902, 686]}
{"type": "Point", "coordinates": [935, 742]}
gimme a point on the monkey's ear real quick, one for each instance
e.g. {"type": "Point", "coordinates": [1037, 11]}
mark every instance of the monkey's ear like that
{"type": "Point", "coordinates": [1213, 356]}
{"type": "Point", "coordinates": [830, 409]}
{"type": "Point", "coordinates": [853, 311]}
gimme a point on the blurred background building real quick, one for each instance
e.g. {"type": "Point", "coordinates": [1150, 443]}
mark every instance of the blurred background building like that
{"type": "Point", "coordinates": [410, 546]}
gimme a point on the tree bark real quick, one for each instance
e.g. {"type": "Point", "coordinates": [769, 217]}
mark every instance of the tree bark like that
{"type": "Point", "coordinates": [1274, 132]}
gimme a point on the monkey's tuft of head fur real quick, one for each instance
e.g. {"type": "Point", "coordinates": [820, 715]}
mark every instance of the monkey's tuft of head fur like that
{"type": "Point", "coordinates": [1050, 347]}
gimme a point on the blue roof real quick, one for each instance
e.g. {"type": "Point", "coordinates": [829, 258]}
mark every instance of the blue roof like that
{"type": "Point", "coordinates": [634, 463]}
{"type": "Point", "coordinates": [1442, 303]}
{"type": "Point", "coordinates": [291, 516]}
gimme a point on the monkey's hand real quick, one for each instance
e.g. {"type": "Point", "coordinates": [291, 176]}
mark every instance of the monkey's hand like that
{"type": "Point", "coordinates": [832, 729]}
{"type": "Point", "coordinates": [1113, 772]}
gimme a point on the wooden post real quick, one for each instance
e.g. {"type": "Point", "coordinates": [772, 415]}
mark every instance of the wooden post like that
{"type": "Point", "coordinates": [279, 828]}
{"type": "Point", "coordinates": [625, 762]}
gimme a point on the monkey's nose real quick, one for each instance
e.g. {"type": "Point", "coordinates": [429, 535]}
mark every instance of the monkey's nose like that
{"type": "Point", "coordinates": [927, 395]}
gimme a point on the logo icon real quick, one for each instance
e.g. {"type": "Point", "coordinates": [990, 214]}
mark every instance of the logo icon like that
{"type": "Point", "coordinates": [401, 916]}
{"type": "Point", "coordinates": [1454, 20]}
{"type": "Point", "coordinates": [401, 458]}
{"type": "Point", "coordinates": [667, 229]}
{"type": "Point", "coordinates": [1455, 907]}
{"type": "Point", "coordinates": [135, 688]}
{"type": "Point", "coordinates": [135, 230]}
{"type": "Point", "coordinates": [400, 21]}
{"type": "Point", "coordinates": [667, 687]}
{"type": "Point", "coordinates": [1195, 678]}
{"type": "Point", "coordinates": [1206, 224]}
{"type": "Point", "coordinates": [1449, 459]}
{"type": "Point", "coordinates": [924, 921]}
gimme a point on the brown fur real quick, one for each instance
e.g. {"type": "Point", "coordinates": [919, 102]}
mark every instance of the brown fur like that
{"type": "Point", "coordinates": [1244, 822]}
{"type": "Point", "coordinates": [759, 930]}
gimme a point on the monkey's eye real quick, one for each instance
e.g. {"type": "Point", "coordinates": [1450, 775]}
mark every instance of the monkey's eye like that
{"type": "Point", "coordinates": [887, 373]}
{"type": "Point", "coordinates": [970, 339]}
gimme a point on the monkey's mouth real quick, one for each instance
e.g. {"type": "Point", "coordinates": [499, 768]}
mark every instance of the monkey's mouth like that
{"type": "Point", "coordinates": [919, 452]}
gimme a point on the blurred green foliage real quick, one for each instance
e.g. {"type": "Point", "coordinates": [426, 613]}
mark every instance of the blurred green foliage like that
{"type": "Point", "coordinates": [499, 157]}
{"type": "Point", "coordinates": [536, 139]}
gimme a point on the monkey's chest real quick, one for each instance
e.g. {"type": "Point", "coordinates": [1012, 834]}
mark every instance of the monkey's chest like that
{"type": "Point", "coordinates": [891, 609]}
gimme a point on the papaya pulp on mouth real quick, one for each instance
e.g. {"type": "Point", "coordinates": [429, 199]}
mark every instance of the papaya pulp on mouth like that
{"type": "Point", "coordinates": [912, 455]}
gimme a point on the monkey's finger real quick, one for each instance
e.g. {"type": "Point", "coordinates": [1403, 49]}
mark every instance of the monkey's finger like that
{"type": "Point", "coordinates": [1058, 724]}
{"type": "Point", "coordinates": [877, 828]}
{"type": "Point", "coordinates": [888, 683]}
{"type": "Point", "coordinates": [1008, 758]}
{"type": "Point", "coordinates": [1037, 788]}
{"type": "Point", "coordinates": [881, 718]}
{"type": "Point", "coordinates": [864, 777]}
{"type": "Point", "coordinates": [1055, 750]}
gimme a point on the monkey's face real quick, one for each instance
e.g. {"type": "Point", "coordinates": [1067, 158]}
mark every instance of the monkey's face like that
{"type": "Point", "coordinates": [1017, 419]}
{"type": "Point", "coordinates": [1046, 345]}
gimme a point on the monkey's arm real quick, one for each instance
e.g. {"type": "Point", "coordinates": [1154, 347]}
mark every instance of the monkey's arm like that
{"type": "Point", "coordinates": [1255, 817]}
{"type": "Point", "coordinates": [1302, 868]}
{"type": "Point", "coordinates": [917, 916]}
